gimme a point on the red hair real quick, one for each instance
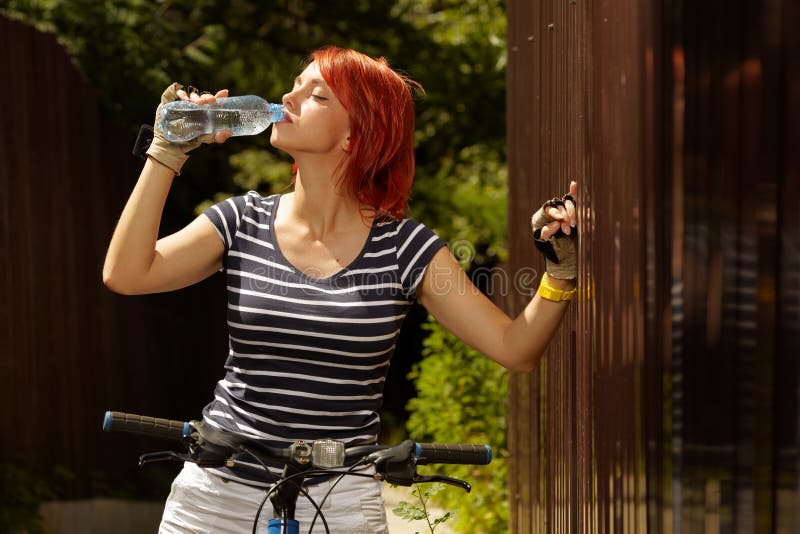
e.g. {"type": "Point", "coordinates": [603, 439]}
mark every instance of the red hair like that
{"type": "Point", "coordinates": [378, 167]}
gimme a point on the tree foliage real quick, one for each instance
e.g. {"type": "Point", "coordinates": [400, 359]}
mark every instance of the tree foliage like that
{"type": "Point", "coordinates": [129, 50]}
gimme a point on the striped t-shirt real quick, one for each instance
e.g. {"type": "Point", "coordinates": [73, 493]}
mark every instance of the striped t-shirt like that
{"type": "Point", "coordinates": [308, 357]}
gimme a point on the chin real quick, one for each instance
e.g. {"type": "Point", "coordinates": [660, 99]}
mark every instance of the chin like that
{"type": "Point", "coordinates": [275, 140]}
{"type": "Point", "coordinates": [283, 147]}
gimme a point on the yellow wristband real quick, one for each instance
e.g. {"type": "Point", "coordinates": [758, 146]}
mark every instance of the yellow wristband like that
{"type": "Point", "coordinates": [548, 292]}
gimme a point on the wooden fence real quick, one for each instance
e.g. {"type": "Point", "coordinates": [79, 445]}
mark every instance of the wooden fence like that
{"type": "Point", "coordinates": [69, 348]}
{"type": "Point", "coordinates": [669, 402]}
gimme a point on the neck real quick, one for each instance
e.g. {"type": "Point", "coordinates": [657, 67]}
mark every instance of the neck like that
{"type": "Point", "coordinates": [320, 206]}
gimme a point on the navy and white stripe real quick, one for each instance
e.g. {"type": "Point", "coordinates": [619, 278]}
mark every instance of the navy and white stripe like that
{"type": "Point", "coordinates": [308, 357]}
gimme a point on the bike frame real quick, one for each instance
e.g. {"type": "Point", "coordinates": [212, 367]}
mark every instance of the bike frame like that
{"type": "Point", "coordinates": [279, 526]}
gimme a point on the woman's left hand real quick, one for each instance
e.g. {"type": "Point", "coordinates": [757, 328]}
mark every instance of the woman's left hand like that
{"type": "Point", "coordinates": [554, 228]}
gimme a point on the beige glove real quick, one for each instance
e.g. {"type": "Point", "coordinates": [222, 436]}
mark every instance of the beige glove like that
{"type": "Point", "coordinates": [560, 251]}
{"type": "Point", "coordinates": [172, 155]}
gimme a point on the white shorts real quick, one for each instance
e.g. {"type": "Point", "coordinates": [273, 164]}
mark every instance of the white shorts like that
{"type": "Point", "coordinates": [202, 502]}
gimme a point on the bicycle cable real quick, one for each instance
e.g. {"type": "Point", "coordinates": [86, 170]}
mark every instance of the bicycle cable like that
{"type": "Point", "coordinates": [350, 471]}
{"type": "Point", "coordinates": [276, 486]}
{"type": "Point", "coordinates": [305, 494]}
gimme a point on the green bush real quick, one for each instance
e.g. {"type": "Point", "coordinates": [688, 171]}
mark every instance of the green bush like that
{"type": "Point", "coordinates": [462, 399]}
{"type": "Point", "coordinates": [21, 493]}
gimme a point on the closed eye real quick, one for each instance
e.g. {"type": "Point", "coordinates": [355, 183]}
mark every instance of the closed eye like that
{"type": "Point", "coordinates": [320, 97]}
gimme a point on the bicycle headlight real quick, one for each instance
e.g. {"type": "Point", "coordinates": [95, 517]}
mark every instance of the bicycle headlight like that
{"type": "Point", "coordinates": [327, 453]}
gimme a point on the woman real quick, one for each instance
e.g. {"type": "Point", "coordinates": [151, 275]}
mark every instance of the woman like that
{"type": "Point", "coordinates": [319, 282]}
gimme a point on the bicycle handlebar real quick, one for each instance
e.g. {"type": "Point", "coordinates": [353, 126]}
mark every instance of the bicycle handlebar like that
{"type": "Point", "coordinates": [144, 425]}
{"type": "Point", "coordinates": [424, 453]}
{"type": "Point", "coordinates": [442, 453]}
{"type": "Point", "coordinates": [208, 447]}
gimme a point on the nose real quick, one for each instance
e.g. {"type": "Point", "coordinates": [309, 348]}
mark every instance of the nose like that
{"type": "Point", "coordinates": [288, 101]}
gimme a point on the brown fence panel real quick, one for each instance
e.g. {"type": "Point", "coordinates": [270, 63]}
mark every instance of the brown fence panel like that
{"type": "Point", "coordinates": [576, 424]}
{"type": "Point", "coordinates": [787, 324]}
{"type": "Point", "coordinates": [69, 348]}
{"type": "Point", "coordinates": [550, 136]}
{"type": "Point", "coordinates": [668, 401]}
{"type": "Point", "coordinates": [728, 72]}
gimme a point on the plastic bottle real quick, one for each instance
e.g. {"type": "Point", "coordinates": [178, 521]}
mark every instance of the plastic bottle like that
{"type": "Point", "coordinates": [181, 120]}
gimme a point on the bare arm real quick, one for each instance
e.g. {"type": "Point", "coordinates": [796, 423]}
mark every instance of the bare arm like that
{"type": "Point", "coordinates": [138, 262]}
{"type": "Point", "coordinates": [449, 295]}
{"type": "Point", "coordinates": [517, 344]}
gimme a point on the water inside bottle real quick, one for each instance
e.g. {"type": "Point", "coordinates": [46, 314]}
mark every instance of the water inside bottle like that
{"type": "Point", "coordinates": [241, 122]}
{"type": "Point", "coordinates": [187, 124]}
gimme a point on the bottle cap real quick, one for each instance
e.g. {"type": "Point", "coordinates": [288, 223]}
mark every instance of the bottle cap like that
{"type": "Point", "coordinates": [277, 112]}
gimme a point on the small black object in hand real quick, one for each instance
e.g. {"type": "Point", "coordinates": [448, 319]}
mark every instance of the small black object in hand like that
{"type": "Point", "coordinates": [143, 141]}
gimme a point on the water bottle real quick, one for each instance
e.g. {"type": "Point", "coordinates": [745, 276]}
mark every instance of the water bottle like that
{"type": "Point", "coordinates": [182, 120]}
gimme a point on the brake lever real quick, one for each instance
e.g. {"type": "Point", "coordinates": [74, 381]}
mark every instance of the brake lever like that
{"type": "Point", "coordinates": [207, 460]}
{"type": "Point", "coordinates": [161, 456]}
{"type": "Point", "coordinates": [445, 480]}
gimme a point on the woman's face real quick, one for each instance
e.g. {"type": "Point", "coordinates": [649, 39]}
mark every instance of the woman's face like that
{"type": "Point", "coordinates": [316, 122]}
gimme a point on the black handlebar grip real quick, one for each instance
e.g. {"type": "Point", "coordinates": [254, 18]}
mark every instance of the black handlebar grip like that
{"type": "Point", "coordinates": [148, 426]}
{"type": "Point", "coordinates": [441, 453]}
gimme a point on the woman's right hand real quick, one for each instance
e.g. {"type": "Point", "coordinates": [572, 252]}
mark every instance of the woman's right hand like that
{"type": "Point", "coordinates": [174, 155]}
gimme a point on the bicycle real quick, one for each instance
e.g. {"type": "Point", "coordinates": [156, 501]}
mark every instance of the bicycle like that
{"type": "Point", "coordinates": [208, 447]}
